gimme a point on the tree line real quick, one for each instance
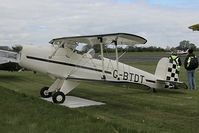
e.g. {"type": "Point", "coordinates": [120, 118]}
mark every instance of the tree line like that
{"type": "Point", "coordinates": [183, 45]}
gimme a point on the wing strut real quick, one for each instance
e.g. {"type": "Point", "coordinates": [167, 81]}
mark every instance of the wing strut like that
{"type": "Point", "coordinates": [53, 54]}
{"type": "Point", "coordinates": [102, 57]}
{"type": "Point", "coordinates": [116, 53]}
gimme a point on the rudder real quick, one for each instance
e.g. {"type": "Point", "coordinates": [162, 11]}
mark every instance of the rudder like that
{"type": "Point", "coordinates": [167, 70]}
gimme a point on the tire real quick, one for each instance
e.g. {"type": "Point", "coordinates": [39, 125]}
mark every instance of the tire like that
{"type": "Point", "coordinates": [58, 97]}
{"type": "Point", "coordinates": [44, 92]}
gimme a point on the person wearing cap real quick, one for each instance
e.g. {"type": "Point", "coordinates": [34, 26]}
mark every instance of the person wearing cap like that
{"type": "Point", "coordinates": [190, 64]}
{"type": "Point", "coordinates": [174, 57]}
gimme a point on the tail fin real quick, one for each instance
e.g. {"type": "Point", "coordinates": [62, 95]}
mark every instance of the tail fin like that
{"type": "Point", "coordinates": [167, 70]}
{"type": "Point", "coordinates": [168, 75]}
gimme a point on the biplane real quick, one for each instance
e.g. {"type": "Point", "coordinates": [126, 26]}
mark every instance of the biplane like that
{"type": "Point", "coordinates": [69, 65]}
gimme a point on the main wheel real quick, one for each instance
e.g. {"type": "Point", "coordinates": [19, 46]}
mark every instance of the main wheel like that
{"type": "Point", "coordinates": [44, 92]}
{"type": "Point", "coordinates": [58, 97]}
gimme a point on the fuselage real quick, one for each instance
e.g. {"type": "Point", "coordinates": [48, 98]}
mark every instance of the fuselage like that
{"type": "Point", "coordinates": [68, 64]}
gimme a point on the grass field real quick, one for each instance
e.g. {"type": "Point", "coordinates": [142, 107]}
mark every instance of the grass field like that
{"type": "Point", "coordinates": [132, 110]}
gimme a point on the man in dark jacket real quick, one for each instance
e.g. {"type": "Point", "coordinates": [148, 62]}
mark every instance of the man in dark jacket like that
{"type": "Point", "coordinates": [190, 64]}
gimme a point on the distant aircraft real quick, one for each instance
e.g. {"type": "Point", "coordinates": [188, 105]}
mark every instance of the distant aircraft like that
{"type": "Point", "coordinates": [180, 52]}
{"type": "Point", "coordinates": [69, 65]}
{"type": "Point", "coordinates": [8, 56]}
{"type": "Point", "coordinates": [8, 61]}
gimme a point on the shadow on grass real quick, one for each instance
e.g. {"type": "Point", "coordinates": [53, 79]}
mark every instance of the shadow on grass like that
{"type": "Point", "coordinates": [171, 91]}
{"type": "Point", "coordinates": [9, 77]}
{"type": "Point", "coordinates": [145, 89]}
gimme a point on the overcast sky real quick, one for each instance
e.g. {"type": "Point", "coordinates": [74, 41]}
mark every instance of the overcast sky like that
{"type": "Point", "coordinates": [162, 22]}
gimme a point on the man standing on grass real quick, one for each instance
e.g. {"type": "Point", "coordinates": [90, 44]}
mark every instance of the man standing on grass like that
{"type": "Point", "coordinates": [190, 64]}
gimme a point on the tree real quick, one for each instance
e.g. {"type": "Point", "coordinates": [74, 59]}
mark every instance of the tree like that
{"type": "Point", "coordinates": [184, 45]}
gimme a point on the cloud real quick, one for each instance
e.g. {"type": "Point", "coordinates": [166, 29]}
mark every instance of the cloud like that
{"type": "Point", "coordinates": [38, 22]}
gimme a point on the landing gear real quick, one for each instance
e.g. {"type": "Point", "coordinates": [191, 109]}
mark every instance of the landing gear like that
{"type": "Point", "coordinates": [45, 93]}
{"type": "Point", "coordinates": [58, 97]}
{"type": "Point", "coordinates": [154, 90]}
{"type": "Point", "coordinates": [58, 90]}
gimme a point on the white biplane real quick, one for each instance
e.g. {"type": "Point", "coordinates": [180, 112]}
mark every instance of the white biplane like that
{"type": "Point", "coordinates": [63, 61]}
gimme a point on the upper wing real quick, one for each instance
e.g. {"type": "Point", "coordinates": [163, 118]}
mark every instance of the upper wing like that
{"type": "Point", "coordinates": [121, 38]}
{"type": "Point", "coordinates": [194, 27]}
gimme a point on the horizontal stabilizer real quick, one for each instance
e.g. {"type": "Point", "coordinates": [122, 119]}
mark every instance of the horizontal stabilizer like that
{"type": "Point", "coordinates": [173, 84]}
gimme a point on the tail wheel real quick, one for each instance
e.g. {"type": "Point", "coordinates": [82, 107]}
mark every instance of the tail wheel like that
{"type": "Point", "coordinates": [181, 86]}
{"type": "Point", "coordinates": [58, 97]}
{"type": "Point", "coordinates": [154, 90]}
{"type": "Point", "coordinates": [44, 92]}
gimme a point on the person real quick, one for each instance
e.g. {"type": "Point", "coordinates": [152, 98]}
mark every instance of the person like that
{"type": "Point", "coordinates": [190, 64]}
{"type": "Point", "coordinates": [174, 57]}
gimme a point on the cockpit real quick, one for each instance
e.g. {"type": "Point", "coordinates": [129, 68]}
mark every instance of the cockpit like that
{"type": "Point", "coordinates": [84, 49]}
{"type": "Point", "coordinates": [76, 47]}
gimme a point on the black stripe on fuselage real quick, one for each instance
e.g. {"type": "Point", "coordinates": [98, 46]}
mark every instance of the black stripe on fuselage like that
{"type": "Point", "coordinates": [152, 81]}
{"type": "Point", "coordinates": [106, 81]}
{"type": "Point", "coordinates": [67, 64]}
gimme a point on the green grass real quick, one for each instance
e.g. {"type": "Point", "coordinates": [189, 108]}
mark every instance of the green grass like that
{"type": "Point", "coordinates": [132, 110]}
